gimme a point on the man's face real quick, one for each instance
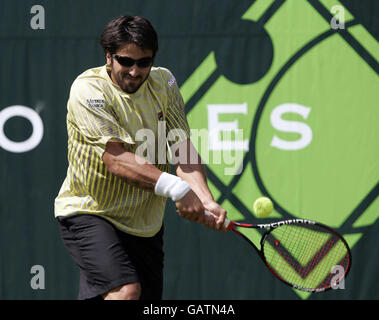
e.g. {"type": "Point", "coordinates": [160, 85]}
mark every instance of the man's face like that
{"type": "Point", "coordinates": [129, 79]}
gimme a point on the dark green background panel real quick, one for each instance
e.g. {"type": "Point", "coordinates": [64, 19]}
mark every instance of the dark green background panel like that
{"type": "Point", "coordinates": [37, 69]}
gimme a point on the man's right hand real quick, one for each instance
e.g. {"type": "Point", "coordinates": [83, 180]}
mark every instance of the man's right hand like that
{"type": "Point", "coordinates": [191, 208]}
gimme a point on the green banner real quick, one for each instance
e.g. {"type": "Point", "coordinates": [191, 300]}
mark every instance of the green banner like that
{"type": "Point", "coordinates": [305, 97]}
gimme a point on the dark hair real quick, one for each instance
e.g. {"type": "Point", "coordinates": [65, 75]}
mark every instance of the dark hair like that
{"type": "Point", "coordinates": [129, 29]}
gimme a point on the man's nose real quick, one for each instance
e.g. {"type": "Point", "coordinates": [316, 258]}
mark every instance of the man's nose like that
{"type": "Point", "coordinates": [133, 70]}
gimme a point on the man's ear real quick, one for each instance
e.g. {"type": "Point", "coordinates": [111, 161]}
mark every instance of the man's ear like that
{"type": "Point", "coordinates": [109, 59]}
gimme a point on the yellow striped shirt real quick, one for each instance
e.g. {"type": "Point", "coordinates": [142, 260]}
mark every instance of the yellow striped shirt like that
{"type": "Point", "coordinates": [98, 112]}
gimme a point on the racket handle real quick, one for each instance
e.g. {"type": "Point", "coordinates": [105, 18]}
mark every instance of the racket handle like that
{"type": "Point", "coordinates": [226, 222]}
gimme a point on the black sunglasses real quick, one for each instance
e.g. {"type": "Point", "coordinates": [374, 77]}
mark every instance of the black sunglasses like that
{"type": "Point", "coordinates": [129, 62]}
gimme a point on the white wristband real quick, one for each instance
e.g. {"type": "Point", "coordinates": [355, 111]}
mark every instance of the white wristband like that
{"type": "Point", "coordinates": [171, 186]}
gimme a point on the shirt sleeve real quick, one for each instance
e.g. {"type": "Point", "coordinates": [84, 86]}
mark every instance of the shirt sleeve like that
{"type": "Point", "coordinates": [176, 121]}
{"type": "Point", "coordinates": [91, 113]}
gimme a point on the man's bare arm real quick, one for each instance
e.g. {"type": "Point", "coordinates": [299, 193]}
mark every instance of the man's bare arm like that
{"type": "Point", "coordinates": [135, 170]}
{"type": "Point", "coordinates": [142, 174]}
{"type": "Point", "coordinates": [192, 170]}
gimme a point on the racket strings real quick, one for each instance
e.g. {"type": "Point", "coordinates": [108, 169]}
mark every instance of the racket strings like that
{"type": "Point", "coordinates": [304, 255]}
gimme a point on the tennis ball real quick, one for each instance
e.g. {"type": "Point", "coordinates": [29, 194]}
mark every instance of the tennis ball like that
{"type": "Point", "coordinates": [263, 207]}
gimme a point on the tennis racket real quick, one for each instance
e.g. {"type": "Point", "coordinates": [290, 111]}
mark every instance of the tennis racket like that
{"type": "Point", "coordinates": [303, 254]}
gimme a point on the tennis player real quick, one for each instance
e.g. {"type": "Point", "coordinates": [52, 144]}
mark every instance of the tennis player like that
{"type": "Point", "coordinates": [110, 207]}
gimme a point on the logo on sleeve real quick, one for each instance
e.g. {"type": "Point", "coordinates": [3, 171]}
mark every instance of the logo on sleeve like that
{"type": "Point", "coordinates": [172, 81]}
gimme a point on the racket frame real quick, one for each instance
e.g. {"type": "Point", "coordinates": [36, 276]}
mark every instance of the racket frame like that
{"type": "Point", "coordinates": [232, 225]}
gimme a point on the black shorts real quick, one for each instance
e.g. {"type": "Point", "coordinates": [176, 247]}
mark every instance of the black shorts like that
{"type": "Point", "coordinates": [109, 258]}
